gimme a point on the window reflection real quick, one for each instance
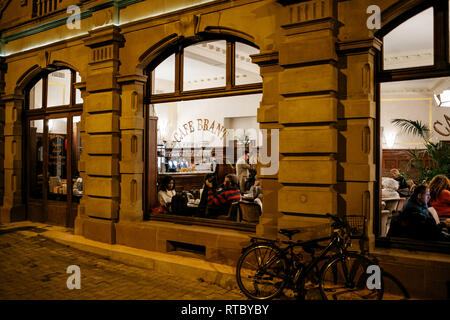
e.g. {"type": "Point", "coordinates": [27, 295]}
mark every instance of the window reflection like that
{"type": "Point", "coordinates": [77, 181]}
{"type": "Point", "coordinates": [401, 50]}
{"type": "Point", "coordinates": [164, 76]}
{"type": "Point", "coordinates": [57, 159]}
{"type": "Point", "coordinates": [59, 88]}
{"type": "Point", "coordinates": [35, 97]}
{"type": "Point", "coordinates": [246, 71]}
{"type": "Point", "coordinates": [36, 149]}
{"type": "Point", "coordinates": [204, 65]}
{"type": "Point", "coordinates": [78, 98]}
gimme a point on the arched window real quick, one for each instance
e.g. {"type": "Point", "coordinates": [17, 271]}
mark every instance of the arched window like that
{"type": "Point", "coordinates": [414, 122]}
{"type": "Point", "coordinates": [52, 114]}
{"type": "Point", "coordinates": [205, 97]}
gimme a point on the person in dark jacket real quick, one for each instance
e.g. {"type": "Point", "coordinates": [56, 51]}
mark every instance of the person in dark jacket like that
{"type": "Point", "coordinates": [415, 221]}
{"type": "Point", "coordinates": [210, 186]}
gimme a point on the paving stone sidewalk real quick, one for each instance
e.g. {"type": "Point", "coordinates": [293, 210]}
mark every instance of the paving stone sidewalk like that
{"type": "Point", "coordinates": [33, 267]}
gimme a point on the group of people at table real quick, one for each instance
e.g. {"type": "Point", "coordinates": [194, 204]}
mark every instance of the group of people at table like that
{"type": "Point", "coordinates": [215, 200]}
{"type": "Point", "coordinates": [426, 212]}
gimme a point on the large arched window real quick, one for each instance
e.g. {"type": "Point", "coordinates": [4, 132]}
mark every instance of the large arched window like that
{"type": "Point", "coordinates": [202, 102]}
{"type": "Point", "coordinates": [414, 117]}
{"type": "Point", "coordinates": [53, 146]}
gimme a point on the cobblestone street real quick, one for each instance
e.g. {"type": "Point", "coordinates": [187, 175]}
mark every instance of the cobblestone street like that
{"type": "Point", "coordinates": [33, 267]}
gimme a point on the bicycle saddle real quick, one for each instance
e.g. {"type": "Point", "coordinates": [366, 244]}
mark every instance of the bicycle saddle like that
{"type": "Point", "coordinates": [289, 232]}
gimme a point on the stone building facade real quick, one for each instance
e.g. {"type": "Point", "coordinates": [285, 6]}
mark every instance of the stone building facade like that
{"type": "Point", "coordinates": [318, 61]}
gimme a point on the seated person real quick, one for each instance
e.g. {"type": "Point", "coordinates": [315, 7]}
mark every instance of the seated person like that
{"type": "Point", "coordinates": [230, 190]}
{"type": "Point", "coordinates": [415, 221]}
{"type": "Point", "coordinates": [209, 185]}
{"type": "Point", "coordinates": [255, 189]}
{"type": "Point", "coordinates": [166, 192]}
{"type": "Point", "coordinates": [220, 200]}
{"type": "Point", "coordinates": [440, 197]}
{"type": "Point", "coordinates": [403, 188]}
{"type": "Point", "coordinates": [256, 192]}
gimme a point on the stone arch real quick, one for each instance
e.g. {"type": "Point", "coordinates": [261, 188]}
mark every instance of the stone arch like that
{"type": "Point", "coordinates": [35, 72]}
{"type": "Point", "coordinates": [163, 48]}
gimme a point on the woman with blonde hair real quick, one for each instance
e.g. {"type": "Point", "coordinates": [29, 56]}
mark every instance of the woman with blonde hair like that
{"type": "Point", "coordinates": [440, 195]}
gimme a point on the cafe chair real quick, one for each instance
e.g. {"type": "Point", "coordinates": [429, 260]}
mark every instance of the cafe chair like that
{"type": "Point", "coordinates": [250, 211]}
{"type": "Point", "coordinates": [232, 212]}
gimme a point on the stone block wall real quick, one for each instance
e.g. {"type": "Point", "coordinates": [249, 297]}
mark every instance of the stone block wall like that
{"type": "Point", "coordinates": [99, 163]}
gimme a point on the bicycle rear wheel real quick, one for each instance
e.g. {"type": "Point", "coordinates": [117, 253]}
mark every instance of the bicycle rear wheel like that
{"type": "Point", "coordinates": [345, 278]}
{"type": "Point", "coordinates": [261, 272]}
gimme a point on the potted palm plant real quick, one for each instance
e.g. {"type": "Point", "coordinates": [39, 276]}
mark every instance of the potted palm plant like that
{"type": "Point", "coordinates": [437, 153]}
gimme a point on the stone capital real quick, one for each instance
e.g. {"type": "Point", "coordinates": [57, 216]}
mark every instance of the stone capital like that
{"type": "Point", "coordinates": [359, 46]}
{"type": "Point", "coordinates": [265, 59]}
{"type": "Point", "coordinates": [131, 79]}
{"type": "Point", "coordinates": [104, 36]}
{"type": "Point", "coordinates": [12, 97]}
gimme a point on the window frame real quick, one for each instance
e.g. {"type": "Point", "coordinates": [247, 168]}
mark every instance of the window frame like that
{"type": "Point", "coordinates": [46, 113]}
{"type": "Point", "coordinates": [440, 68]}
{"type": "Point", "coordinates": [230, 89]}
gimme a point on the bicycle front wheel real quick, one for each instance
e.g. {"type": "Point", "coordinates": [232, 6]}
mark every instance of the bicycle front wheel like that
{"type": "Point", "coordinates": [261, 272]}
{"type": "Point", "coordinates": [345, 278]}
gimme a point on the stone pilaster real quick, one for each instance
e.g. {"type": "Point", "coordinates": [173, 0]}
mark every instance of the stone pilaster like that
{"type": "Point", "coordinates": [13, 208]}
{"type": "Point", "coordinates": [268, 119]}
{"type": "Point", "coordinates": [356, 124]}
{"type": "Point", "coordinates": [132, 128]}
{"type": "Point", "coordinates": [101, 144]}
{"type": "Point", "coordinates": [307, 111]}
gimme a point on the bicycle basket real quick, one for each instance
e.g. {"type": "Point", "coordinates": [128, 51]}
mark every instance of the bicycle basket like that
{"type": "Point", "coordinates": [356, 224]}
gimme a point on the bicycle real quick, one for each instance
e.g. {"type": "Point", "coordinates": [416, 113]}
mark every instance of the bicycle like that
{"type": "Point", "coordinates": [265, 268]}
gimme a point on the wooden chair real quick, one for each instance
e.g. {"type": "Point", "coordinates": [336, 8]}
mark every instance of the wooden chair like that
{"type": "Point", "coordinates": [250, 211]}
{"type": "Point", "coordinates": [232, 213]}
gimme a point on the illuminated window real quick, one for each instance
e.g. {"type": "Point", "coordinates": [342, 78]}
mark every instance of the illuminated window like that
{"type": "Point", "coordinates": [205, 98]}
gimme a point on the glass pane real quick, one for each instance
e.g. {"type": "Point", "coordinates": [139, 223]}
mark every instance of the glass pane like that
{"type": "Point", "coordinates": [36, 158]}
{"type": "Point", "coordinates": [57, 153]}
{"type": "Point", "coordinates": [205, 65]}
{"type": "Point", "coordinates": [411, 43]}
{"type": "Point", "coordinates": [417, 103]}
{"type": "Point", "coordinates": [77, 183]}
{"type": "Point", "coordinates": [164, 76]}
{"type": "Point", "coordinates": [36, 96]}
{"type": "Point", "coordinates": [59, 88]}
{"type": "Point", "coordinates": [78, 98]}
{"type": "Point", "coordinates": [246, 71]}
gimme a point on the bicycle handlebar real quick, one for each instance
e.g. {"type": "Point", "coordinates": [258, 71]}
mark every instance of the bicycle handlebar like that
{"type": "Point", "coordinates": [340, 223]}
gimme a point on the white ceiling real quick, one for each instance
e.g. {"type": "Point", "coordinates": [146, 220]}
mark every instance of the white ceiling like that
{"type": "Point", "coordinates": [205, 62]}
{"type": "Point", "coordinates": [422, 86]}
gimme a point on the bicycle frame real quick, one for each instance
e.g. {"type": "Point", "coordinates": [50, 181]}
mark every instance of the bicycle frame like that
{"type": "Point", "coordinates": [336, 242]}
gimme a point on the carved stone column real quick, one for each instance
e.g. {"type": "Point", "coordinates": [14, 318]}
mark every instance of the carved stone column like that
{"type": "Point", "coordinates": [357, 113]}
{"type": "Point", "coordinates": [268, 119]}
{"type": "Point", "coordinates": [101, 144]}
{"type": "Point", "coordinates": [132, 128]}
{"type": "Point", "coordinates": [307, 110]}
